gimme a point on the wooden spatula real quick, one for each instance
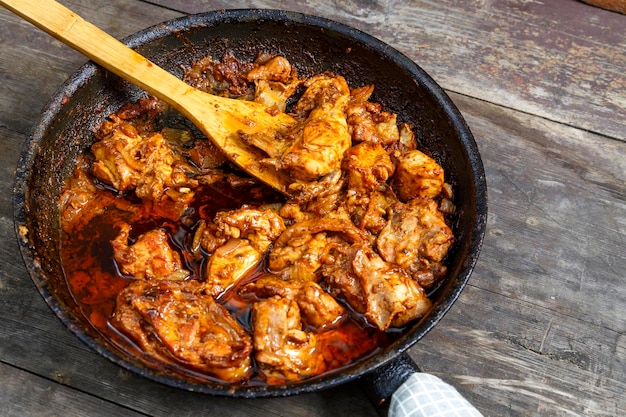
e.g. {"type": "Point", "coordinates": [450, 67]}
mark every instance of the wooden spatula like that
{"type": "Point", "coordinates": [219, 118]}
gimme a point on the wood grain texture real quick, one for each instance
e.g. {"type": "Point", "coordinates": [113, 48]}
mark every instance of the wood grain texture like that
{"type": "Point", "coordinates": [46, 398]}
{"type": "Point", "coordinates": [540, 329]}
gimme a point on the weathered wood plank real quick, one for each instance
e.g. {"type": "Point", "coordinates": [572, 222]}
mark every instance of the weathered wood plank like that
{"type": "Point", "coordinates": [557, 214]}
{"type": "Point", "coordinates": [44, 398]}
{"type": "Point", "coordinates": [34, 65]}
{"type": "Point", "coordinates": [515, 358]}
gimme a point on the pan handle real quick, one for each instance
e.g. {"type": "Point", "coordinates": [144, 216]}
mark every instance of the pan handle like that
{"type": "Point", "coordinates": [382, 382]}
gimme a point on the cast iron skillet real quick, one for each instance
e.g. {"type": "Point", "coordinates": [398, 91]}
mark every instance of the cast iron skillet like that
{"type": "Point", "coordinates": [313, 45]}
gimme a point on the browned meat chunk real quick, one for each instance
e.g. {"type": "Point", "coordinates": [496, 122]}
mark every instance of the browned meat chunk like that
{"type": "Point", "coordinates": [149, 166]}
{"type": "Point", "coordinates": [367, 121]}
{"type": "Point", "coordinates": [275, 80]}
{"type": "Point", "coordinates": [417, 176]}
{"type": "Point", "coordinates": [176, 319]}
{"type": "Point", "coordinates": [150, 257]}
{"type": "Point", "coordinates": [368, 166]}
{"type": "Point", "coordinates": [319, 147]}
{"type": "Point", "coordinates": [282, 349]}
{"type": "Point", "coordinates": [383, 292]}
{"type": "Point", "coordinates": [318, 308]}
{"type": "Point", "coordinates": [393, 298]}
{"type": "Point", "coordinates": [238, 241]}
{"type": "Point", "coordinates": [301, 250]}
{"type": "Point", "coordinates": [369, 210]}
{"type": "Point", "coordinates": [316, 198]}
{"type": "Point", "coordinates": [205, 155]}
{"type": "Point", "coordinates": [342, 281]}
{"type": "Point", "coordinates": [80, 201]}
{"type": "Point", "coordinates": [415, 237]}
{"type": "Point", "coordinates": [226, 77]}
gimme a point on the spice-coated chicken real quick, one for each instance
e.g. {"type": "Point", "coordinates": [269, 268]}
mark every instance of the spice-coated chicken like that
{"type": "Point", "coordinates": [304, 247]}
{"type": "Point", "coordinates": [238, 240]}
{"type": "Point", "coordinates": [149, 166]}
{"type": "Point", "coordinates": [392, 297]}
{"type": "Point", "coordinates": [282, 349]}
{"type": "Point", "coordinates": [275, 81]}
{"type": "Point", "coordinates": [177, 319]}
{"type": "Point", "coordinates": [417, 238]}
{"type": "Point", "coordinates": [150, 257]}
{"type": "Point", "coordinates": [319, 147]}
{"type": "Point", "coordinates": [316, 145]}
{"type": "Point", "coordinates": [319, 309]}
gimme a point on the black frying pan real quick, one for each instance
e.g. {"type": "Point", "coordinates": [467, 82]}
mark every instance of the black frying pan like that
{"type": "Point", "coordinates": [313, 45]}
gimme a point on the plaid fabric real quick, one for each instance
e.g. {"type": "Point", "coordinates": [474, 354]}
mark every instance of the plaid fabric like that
{"type": "Point", "coordinates": [424, 395]}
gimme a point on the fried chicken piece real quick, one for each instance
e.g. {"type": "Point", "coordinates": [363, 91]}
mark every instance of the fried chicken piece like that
{"type": "Point", "coordinates": [302, 248]}
{"type": "Point", "coordinates": [417, 176]}
{"type": "Point", "coordinates": [393, 298]}
{"type": "Point", "coordinates": [316, 145]}
{"type": "Point", "coordinates": [407, 142]}
{"type": "Point", "coordinates": [317, 198]}
{"type": "Point", "coordinates": [367, 122]}
{"type": "Point", "coordinates": [80, 200]}
{"type": "Point", "coordinates": [238, 240]}
{"type": "Point", "coordinates": [417, 238]}
{"type": "Point", "coordinates": [260, 226]}
{"type": "Point", "coordinates": [149, 166]}
{"type": "Point", "coordinates": [319, 309]}
{"type": "Point", "coordinates": [369, 210]}
{"type": "Point", "coordinates": [368, 166]}
{"type": "Point", "coordinates": [226, 77]}
{"type": "Point", "coordinates": [275, 80]}
{"type": "Point", "coordinates": [283, 351]}
{"type": "Point", "coordinates": [177, 319]}
{"type": "Point", "coordinates": [319, 148]}
{"type": "Point", "coordinates": [150, 257]}
{"type": "Point", "coordinates": [301, 257]}
{"type": "Point", "coordinates": [341, 279]}
{"type": "Point", "coordinates": [205, 155]}
{"type": "Point", "coordinates": [143, 114]}
{"type": "Point", "coordinates": [270, 285]}
{"type": "Point", "coordinates": [127, 161]}
{"type": "Point", "coordinates": [383, 292]}
{"type": "Point", "coordinates": [230, 263]}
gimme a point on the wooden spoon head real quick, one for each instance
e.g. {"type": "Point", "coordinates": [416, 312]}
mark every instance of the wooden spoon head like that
{"type": "Point", "coordinates": [224, 121]}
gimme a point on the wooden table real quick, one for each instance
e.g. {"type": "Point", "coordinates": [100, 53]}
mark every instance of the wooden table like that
{"type": "Point", "coordinates": [541, 328]}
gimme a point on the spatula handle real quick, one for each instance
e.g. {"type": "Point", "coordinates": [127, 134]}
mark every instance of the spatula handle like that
{"type": "Point", "coordinates": [102, 48]}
